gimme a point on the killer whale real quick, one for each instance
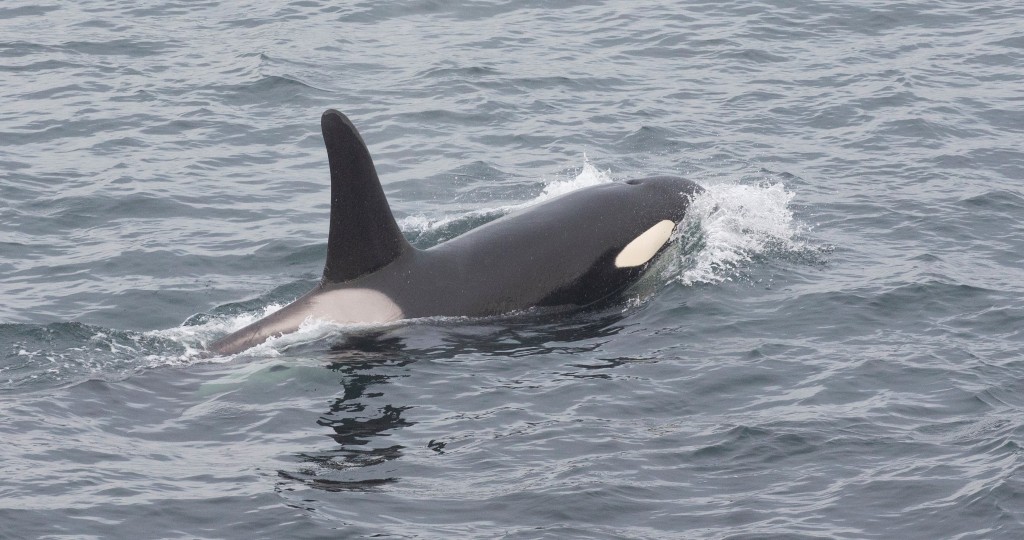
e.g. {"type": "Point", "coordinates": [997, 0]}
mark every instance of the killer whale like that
{"type": "Point", "coordinates": [571, 251]}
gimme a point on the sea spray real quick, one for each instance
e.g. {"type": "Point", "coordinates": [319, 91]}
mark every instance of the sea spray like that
{"type": "Point", "coordinates": [729, 224]}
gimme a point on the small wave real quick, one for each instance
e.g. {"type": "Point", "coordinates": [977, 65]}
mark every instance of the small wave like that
{"type": "Point", "coordinates": [199, 331]}
{"type": "Point", "coordinates": [198, 336]}
{"type": "Point", "coordinates": [588, 176]}
{"type": "Point", "coordinates": [57, 354]}
{"type": "Point", "coordinates": [419, 225]}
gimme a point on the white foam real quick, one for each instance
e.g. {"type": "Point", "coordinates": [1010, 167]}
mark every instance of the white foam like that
{"type": "Point", "coordinates": [312, 330]}
{"type": "Point", "coordinates": [588, 176]}
{"type": "Point", "coordinates": [422, 222]}
{"type": "Point", "coordinates": [736, 223]}
{"type": "Point", "coordinates": [195, 338]}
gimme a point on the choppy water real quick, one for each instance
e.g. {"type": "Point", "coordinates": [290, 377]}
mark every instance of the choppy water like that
{"type": "Point", "coordinates": [834, 349]}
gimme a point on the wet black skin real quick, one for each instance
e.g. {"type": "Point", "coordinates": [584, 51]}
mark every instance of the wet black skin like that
{"type": "Point", "coordinates": [559, 253]}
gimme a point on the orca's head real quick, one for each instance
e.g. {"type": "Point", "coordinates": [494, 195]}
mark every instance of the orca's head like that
{"type": "Point", "coordinates": [659, 204]}
{"type": "Point", "coordinates": [665, 197]}
{"type": "Point", "coordinates": [619, 229]}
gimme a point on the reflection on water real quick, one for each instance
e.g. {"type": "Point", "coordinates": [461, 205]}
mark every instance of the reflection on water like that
{"type": "Point", "coordinates": [363, 421]}
{"type": "Point", "coordinates": [360, 420]}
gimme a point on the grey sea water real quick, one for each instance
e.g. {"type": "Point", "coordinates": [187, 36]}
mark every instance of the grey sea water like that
{"type": "Point", "coordinates": [834, 349]}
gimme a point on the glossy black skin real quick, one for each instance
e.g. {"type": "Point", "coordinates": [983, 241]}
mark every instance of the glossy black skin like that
{"type": "Point", "coordinates": [558, 253]}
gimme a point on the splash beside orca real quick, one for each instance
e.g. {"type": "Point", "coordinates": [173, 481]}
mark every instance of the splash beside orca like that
{"type": "Point", "coordinates": [572, 251]}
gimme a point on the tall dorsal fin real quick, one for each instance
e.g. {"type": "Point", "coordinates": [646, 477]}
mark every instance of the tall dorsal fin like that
{"type": "Point", "coordinates": [363, 235]}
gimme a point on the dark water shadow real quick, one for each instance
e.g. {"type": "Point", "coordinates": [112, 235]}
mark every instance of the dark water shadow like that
{"type": "Point", "coordinates": [364, 421]}
{"type": "Point", "coordinates": [536, 332]}
{"type": "Point", "coordinates": [360, 420]}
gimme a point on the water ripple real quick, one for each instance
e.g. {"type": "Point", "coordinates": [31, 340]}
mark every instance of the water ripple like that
{"type": "Point", "coordinates": [833, 350]}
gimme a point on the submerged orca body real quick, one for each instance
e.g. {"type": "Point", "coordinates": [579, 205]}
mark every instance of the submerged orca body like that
{"type": "Point", "coordinates": [572, 251]}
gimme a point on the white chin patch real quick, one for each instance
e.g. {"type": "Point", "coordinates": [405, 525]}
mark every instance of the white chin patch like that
{"type": "Point", "coordinates": [645, 246]}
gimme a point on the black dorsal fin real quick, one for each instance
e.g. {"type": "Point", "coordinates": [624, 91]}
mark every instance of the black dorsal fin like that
{"type": "Point", "coordinates": [363, 236]}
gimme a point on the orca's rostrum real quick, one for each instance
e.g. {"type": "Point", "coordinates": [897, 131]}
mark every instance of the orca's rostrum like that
{"type": "Point", "coordinates": [571, 251]}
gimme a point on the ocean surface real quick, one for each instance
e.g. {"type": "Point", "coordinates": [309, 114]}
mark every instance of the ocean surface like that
{"type": "Point", "coordinates": [833, 348]}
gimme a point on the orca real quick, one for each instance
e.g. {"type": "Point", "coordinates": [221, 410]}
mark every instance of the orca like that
{"type": "Point", "coordinates": [570, 252]}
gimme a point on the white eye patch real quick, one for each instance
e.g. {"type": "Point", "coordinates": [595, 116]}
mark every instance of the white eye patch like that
{"type": "Point", "coordinates": [643, 247]}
